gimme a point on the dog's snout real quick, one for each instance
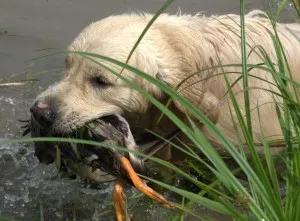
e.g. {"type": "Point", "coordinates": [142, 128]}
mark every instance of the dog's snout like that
{"type": "Point", "coordinates": [43, 113]}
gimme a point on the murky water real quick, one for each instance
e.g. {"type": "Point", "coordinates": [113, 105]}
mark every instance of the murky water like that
{"type": "Point", "coordinates": [29, 191]}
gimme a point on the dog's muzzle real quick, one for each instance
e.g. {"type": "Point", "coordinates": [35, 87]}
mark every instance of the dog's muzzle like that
{"type": "Point", "coordinates": [44, 113]}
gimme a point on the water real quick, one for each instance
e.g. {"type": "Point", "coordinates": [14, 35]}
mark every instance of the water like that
{"type": "Point", "coordinates": [29, 191]}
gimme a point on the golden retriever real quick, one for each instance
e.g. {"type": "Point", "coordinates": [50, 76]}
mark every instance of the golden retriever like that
{"type": "Point", "coordinates": [174, 48]}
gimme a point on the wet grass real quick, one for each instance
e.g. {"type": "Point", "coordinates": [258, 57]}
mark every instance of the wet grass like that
{"type": "Point", "coordinates": [3, 31]}
{"type": "Point", "coordinates": [261, 197]}
{"type": "Point", "coordinates": [258, 195]}
{"type": "Point", "coordinates": [24, 78]}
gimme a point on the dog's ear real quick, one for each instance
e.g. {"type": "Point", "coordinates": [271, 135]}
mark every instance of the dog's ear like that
{"type": "Point", "coordinates": [195, 92]}
{"type": "Point", "coordinates": [191, 88]}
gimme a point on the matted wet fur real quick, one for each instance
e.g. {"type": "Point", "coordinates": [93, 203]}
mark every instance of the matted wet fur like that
{"type": "Point", "coordinates": [175, 47]}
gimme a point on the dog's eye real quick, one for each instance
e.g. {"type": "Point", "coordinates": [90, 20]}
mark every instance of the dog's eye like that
{"type": "Point", "coordinates": [100, 82]}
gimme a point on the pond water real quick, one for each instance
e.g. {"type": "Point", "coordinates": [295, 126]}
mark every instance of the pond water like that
{"type": "Point", "coordinates": [29, 191]}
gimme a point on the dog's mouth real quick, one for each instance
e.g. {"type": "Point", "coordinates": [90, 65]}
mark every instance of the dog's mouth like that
{"type": "Point", "coordinates": [112, 130]}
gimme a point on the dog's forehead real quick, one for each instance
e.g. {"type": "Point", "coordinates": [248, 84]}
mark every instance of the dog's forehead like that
{"type": "Point", "coordinates": [110, 34]}
{"type": "Point", "coordinates": [116, 47]}
{"type": "Point", "coordinates": [93, 64]}
{"type": "Point", "coordinates": [103, 38]}
{"type": "Point", "coordinates": [84, 68]}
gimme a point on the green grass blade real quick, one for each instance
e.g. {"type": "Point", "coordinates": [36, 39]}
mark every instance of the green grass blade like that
{"type": "Point", "coordinates": [213, 205]}
{"type": "Point", "coordinates": [150, 23]}
{"type": "Point", "coordinates": [244, 67]}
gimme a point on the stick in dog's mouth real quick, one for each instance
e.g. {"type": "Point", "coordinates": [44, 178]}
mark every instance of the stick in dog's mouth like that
{"type": "Point", "coordinates": [112, 130]}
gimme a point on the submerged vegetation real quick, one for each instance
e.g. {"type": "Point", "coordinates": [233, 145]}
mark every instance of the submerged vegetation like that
{"type": "Point", "coordinates": [247, 188]}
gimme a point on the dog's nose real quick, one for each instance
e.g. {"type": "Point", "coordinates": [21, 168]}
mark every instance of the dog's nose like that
{"type": "Point", "coordinates": [43, 113]}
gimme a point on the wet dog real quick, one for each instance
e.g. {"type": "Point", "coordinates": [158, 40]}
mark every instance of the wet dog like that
{"type": "Point", "coordinates": [182, 51]}
{"type": "Point", "coordinates": [173, 49]}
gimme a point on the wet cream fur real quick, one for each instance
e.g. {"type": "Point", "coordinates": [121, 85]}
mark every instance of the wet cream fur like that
{"type": "Point", "coordinates": [175, 47]}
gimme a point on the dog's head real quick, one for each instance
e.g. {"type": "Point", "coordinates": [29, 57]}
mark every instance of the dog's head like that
{"type": "Point", "coordinates": [87, 90]}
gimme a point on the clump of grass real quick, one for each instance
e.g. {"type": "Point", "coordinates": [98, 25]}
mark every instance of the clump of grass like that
{"type": "Point", "coordinates": [260, 196]}
{"type": "Point", "coordinates": [24, 78]}
{"type": "Point", "coordinates": [3, 31]}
